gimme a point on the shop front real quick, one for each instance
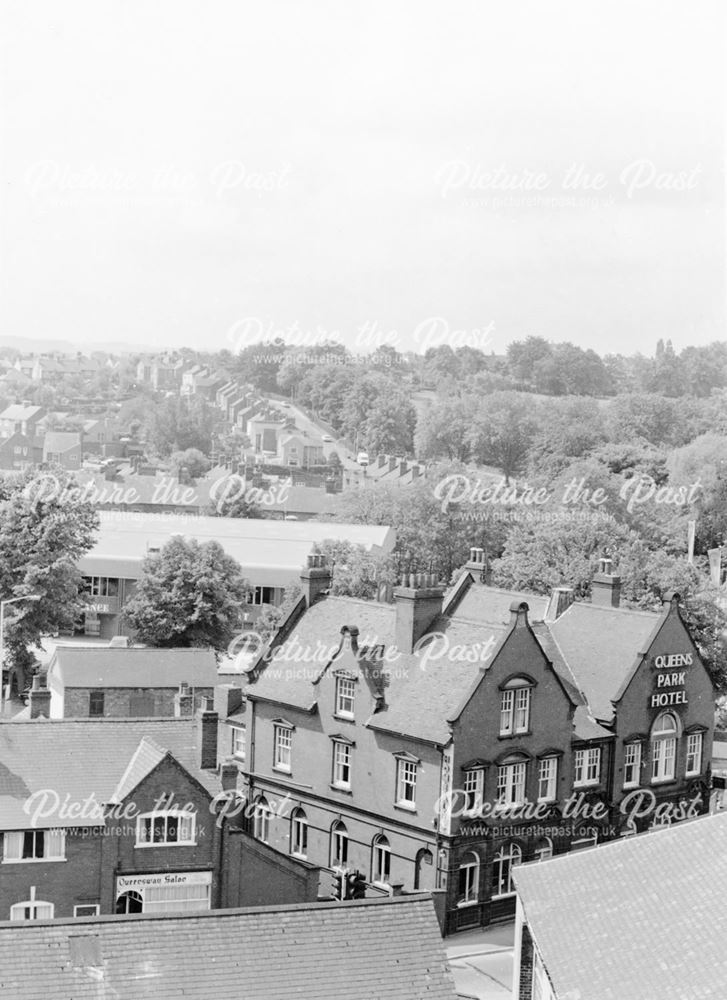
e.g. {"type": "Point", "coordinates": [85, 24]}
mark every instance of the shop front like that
{"type": "Point", "coordinates": [164, 892]}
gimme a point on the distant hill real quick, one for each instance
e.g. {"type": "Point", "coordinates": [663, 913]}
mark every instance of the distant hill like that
{"type": "Point", "coordinates": [30, 345]}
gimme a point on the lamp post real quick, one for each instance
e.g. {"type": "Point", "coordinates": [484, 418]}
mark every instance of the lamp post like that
{"type": "Point", "coordinates": [3, 604]}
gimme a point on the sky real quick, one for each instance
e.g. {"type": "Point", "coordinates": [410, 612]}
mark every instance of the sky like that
{"type": "Point", "coordinates": [412, 172]}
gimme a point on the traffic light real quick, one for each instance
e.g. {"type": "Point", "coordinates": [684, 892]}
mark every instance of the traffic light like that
{"type": "Point", "coordinates": [355, 886]}
{"type": "Point", "coordinates": [339, 884]}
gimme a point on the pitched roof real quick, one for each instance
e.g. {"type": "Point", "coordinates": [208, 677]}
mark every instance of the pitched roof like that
{"type": "Point", "coordinates": [321, 951]}
{"type": "Point", "coordinates": [647, 909]}
{"type": "Point", "coordinates": [102, 666]}
{"type": "Point", "coordinates": [61, 441]}
{"type": "Point", "coordinates": [601, 646]}
{"type": "Point", "coordinates": [146, 757]}
{"type": "Point", "coordinates": [491, 604]}
{"type": "Point", "coordinates": [83, 759]}
{"type": "Point", "coordinates": [17, 411]}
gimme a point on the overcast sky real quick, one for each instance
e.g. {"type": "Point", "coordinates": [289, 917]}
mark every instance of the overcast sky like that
{"type": "Point", "coordinates": [188, 173]}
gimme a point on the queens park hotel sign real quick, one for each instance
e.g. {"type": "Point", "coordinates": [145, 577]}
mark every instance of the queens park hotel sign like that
{"type": "Point", "coordinates": [669, 680]}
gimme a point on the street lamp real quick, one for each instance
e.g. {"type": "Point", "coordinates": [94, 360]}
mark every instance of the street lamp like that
{"type": "Point", "coordinates": [10, 600]}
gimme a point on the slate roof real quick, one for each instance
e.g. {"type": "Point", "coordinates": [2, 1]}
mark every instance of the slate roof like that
{"type": "Point", "coordinates": [17, 411]}
{"type": "Point", "coordinates": [101, 667]}
{"type": "Point", "coordinates": [601, 646]}
{"type": "Point", "coordinates": [490, 604]}
{"type": "Point", "coordinates": [59, 441]}
{"type": "Point", "coordinates": [328, 951]}
{"type": "Point", "coordinates": [83, 758]}
{"type": "Point", "coordinates": [147, 756]}
{"type": "Point", "coordinates": [636, 919]}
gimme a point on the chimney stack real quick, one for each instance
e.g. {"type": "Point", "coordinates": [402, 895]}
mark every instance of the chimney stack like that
{"type": "Point", "coordinates": [477, 565]}
{"type": "Point", "coordinates": [418, 602]}
{"type": "Point", "coordinates": [207, 735]}
{"type": "Point", "coordinates": [606, 586]}
{"type": "Point", "coordinates": [315, 578]}
{"type": "Point", "coordinates": [39, 698]}
{"type": "Point", "coordinates": [561, 599]}
{"type": "Point", "coordinates": [183, 701]}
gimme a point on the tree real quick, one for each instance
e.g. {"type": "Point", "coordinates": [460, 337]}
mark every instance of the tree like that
{"type": "Point", "coordinates": [642, 415]}
{"type": "Point", "coordinates": [192, 460]}
{"type": "Point", "coordinates": [502, 431]}
{"type": "Point", "coordinates": [44, 531]}
{"type": "Point", "coordinates": [442, 430]}
{"type": "Point", "coordinates": [523, 355]}
{"type": "Point", "coordinates": [272, 616]}
{"type": "Point", "coordinates": [177, 423]}
{"type": "Point", "coordinates": [189, 594]}
{"type": "Point", "coordinates": [568, 429]}
{"type": "Point", "coordinates": [357, 572]}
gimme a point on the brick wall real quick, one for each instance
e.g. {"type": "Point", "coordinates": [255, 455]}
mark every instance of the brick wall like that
{"type": "Point", "coordinates": [119, 701]}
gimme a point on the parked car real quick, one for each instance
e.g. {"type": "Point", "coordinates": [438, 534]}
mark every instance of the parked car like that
{"type": "Point", "coordinates": [327, 438]}
{"type": "Point", "coordinates": [363, 458]}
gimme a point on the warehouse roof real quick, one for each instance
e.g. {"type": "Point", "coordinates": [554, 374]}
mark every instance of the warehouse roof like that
{"type": "Point", "coordinates": [270, 552]}
{"type": "Point", "coordinates": [642, 916]}
{"type": "Point", "coordinates": [321, 951]}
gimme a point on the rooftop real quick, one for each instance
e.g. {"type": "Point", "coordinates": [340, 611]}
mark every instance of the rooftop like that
{"type": "Point", "coordinates": [84, 759]}
{"type": "Point", "coordinates": [646, 909]}
{"type": "Point", "coordinates": [101, 667]}
{"type": "Point", "coordinates": [327, 951]}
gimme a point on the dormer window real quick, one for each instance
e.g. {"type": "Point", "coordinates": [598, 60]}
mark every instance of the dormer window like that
{"type": "Point", "coordinates": [515, 707]}
{"type": "Point", "coordinates": [345, 696]}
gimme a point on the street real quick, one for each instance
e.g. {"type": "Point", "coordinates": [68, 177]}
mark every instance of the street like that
{"type": "Point", "coordinates": [482, 962]}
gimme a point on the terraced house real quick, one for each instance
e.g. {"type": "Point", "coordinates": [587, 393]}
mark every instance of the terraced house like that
{"type": "Point", "coordinates": [437, 742]}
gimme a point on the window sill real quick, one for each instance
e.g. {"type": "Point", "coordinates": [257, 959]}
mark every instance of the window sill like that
{"type": "Point", "coordinates": [165, 843]}
{"type": "Point", "coordinates": [663, 781]}
{"type": "Point", "coordinates": [32, 861]}
{"type": "Point", "coordinates": [502, 895]}
{"type": "Point", "coordinates": [282, 770]}
{"type": "Point", "coordinates": [405, 807]}
{"type": "Point", "coordinates": [344, 718]}
{"type": "Point", "coordinates": [466, 903]}
{"type": "Point", "coordinates": [586, 784]}
{"type": "Point", "coordinates": [344, 789]}
{"type": "Point", "coordinates": [550, 801]}
{"type": "Point", "coordinates": [516, 735]}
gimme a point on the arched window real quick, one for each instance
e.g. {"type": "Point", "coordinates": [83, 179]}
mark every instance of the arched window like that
{"type": "Point", "coordinates": [506, 858]}
{"type": "Point", "coordinates": [339, 845]}
{"type": "Point", "coordinates": [423, 869]}
{"type": "Point", "coordinates": [299, 834]}
{"type": "Point", "coordinates": [129, 902]}
{"type": "Point", "coordinates": [469, 879]}
{"type": "Point", "coordinates": [543, 849]}
{"type": "Point", "coordinates": [515, 698]}
{"type": "Point", "coordinates": [664, 734]}
{"type": "Point", "coordinates": [261, 828]}
{"type": "Point", "coordinates": [380, 860]}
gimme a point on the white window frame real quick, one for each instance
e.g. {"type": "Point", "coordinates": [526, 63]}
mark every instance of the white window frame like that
{"type": "Point", "coordinates": [86, 906]}
{"type": "Point", "coordinates": [511, 784]}
{"type": "Point", "coordinates": [342, 759]}
{"type": "Point", "coordinates": [299, 834]}
{"type": "Point", "coordinates": [695, 744]}
{"type": "Point", "coordinates": [587, 767]}
{"type": "Point", "coordinates": [339, 837]}
{"type": "Point", "coordinates": [283, 748]}
{"type": "Point", "coordinates": [406, 783]}
{"type": "Point", "coordinates": [515, 703]}
{"type": "Point", "coordinates": [151, 819]}
{"type": "Point", "coordinates": [471, 869]}
{"type": "Point", "coordinates": [14, 841]}
{"type": "Point", "coordinates": [239, 742]}
{"type": "Point", "coordinates": [547, 779]}
{"type": "Point", "coordinates": [345, 697]}
{"type": "Point", "coordinates": [503, 863]}
{"type": "Point", "coordinates": [473, 788]}
{"type": "Point", "coordinates": [632, 764]}
{"type": "Point", "coordinates": [380, 860]}
{"type": "Point", "coordinates": [34, 905]}
{"type": "Point", "coordinates": [543, 849]}
{"type": "Point", "coordinates": [664, 749]}
{"type": "Point", "coordinates": [261, 820]}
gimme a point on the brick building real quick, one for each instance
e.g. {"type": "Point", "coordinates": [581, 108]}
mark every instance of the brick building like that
{"type": "Point", "coordinates": [121, 816]}
{"type": "Point", "coordinates": [102, 682]}
{"type": "Point", "coordinates": [439, 742]}
{"type": "Point", "coordinates": [642, 917]}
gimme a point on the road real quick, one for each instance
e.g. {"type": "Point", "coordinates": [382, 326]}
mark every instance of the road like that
{"type": "Point", "coordinates": [482, 962]}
